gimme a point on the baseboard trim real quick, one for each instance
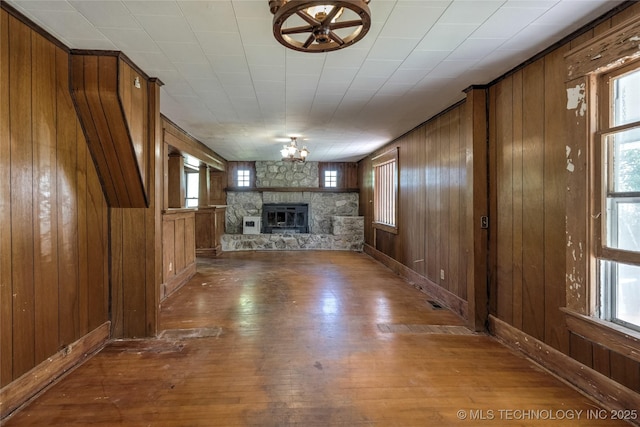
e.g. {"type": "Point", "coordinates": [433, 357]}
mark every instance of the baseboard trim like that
{"type": "Point", "coordinates": [443, 296]}
{"type": "Point", "coordinates": [177, 281]}
{"type": "Point", "coordinates": [17, 393]}
{"type": "Point", "coordinates": [608, 393]}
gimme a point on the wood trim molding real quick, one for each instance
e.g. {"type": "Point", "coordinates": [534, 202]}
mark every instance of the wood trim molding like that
{"type": "Point", "coordinates": [20, 391]}
{"type": "Point", "coordinates": [177, 281]}
{"type": "Point", "coordinates": [608, 50]}
{"type": "Point", "coordinates": [614, 337]}
{"type": "Point", "coordinates": [446, 298]}
{"type": "Point", "coordinates": [602, 389]}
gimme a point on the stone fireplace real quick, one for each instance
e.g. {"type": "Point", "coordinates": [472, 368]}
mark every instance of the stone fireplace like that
{"type": "Point", "coordinates": [331, 222]}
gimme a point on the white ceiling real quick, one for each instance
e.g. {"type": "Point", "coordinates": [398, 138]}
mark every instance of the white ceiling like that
{"type": "Point", "coordinates": [231, 85]}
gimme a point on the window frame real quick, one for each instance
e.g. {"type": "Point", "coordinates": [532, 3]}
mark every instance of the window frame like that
{"type": "Point", "coordinates": [603, 53]}
{"type": "Point", "coordinates": [189, 171]}
{"type": "Point", "coordinates": [243, 181]}
{"type": "Point", "coordinates": [388, 194]}
{"type": "Point", "coordinates": [330, 181]}
{"type": "Point", "coordinates": [604, 197]}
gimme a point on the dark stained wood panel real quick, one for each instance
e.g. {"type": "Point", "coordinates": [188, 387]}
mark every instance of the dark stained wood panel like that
{"type": "Point", "coordinates": [95, 86]}
{"type": "Point", "coordinates": [533, 204]}
{"type": "Point", "coordinates": [555, 333]}
{"type": "Point", "coordinates": [518, 195]}
{"type": "Point", "coordinates": [346, 172]}
{"type": "Point", "coordinates": [6, 283]}
{"type": "Point", "coordinates": [22, 171]}
{"type": "Point", "coordinates": [44, 192]}
{"type": "Point", "coordinates": [503, 233]}
{"type": "Point", "coordinates": [431, 211]}
{"type": "Point", "coordinates": [45, 252]}
{"type": "Point", "coordinates": [133, 270]}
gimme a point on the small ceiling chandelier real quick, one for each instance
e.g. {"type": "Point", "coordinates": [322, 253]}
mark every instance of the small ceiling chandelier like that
{"type": "Point", "coordinates": [320, 29]}
{"type": "Point", "coordinates": [291, 152]}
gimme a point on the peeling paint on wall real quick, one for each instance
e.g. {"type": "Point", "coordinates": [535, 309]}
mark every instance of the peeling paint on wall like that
{"type": "Point", "coordinates": [570, 165]}
{"type": "Point", "coordinates": [576, 99]}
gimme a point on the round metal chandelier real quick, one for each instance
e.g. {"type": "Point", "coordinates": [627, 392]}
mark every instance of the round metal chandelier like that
{"type": "Point", "coordinates": [320, 25]}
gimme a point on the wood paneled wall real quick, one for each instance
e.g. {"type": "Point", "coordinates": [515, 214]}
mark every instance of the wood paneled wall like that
{"type": "Point", "coordinates": [528, 190]}
{"type": "Point", "coordinates": [179, 254]}
{"type": "Point", "coordinates": [53, 215]}
{"type": "Point", "coordinates": [347, 173]}
{"type": "Point", "coordinates": [232, 173]}
{"type": "Point", "coordinates": [113, 112]}
{"type": "Point", "coordinates": [432, 202]}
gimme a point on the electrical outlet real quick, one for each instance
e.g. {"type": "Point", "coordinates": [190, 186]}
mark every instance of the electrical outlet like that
{"type": "Point", "coordinates": [170, 266]}
{"type": "Point", "coordinates": [441, 274]}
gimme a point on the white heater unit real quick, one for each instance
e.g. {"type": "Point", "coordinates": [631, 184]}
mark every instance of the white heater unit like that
{"type": "Point", "coordinates": [251, 224]}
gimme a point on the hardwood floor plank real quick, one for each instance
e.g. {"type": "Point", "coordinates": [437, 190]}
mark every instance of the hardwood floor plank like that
{"type": "Point", "coordinates": [254, 341]}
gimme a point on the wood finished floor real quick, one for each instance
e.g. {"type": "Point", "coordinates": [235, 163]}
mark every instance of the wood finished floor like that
{"type": "Point", "coordinates": [306, 339]}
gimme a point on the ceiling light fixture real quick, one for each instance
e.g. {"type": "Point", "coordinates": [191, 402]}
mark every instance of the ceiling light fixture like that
{"type": "Point", "coordinates": [321, 21]}
{"type": "Point", "coordinates": [291, 152]}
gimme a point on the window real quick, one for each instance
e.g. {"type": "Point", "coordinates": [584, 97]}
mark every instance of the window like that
{"type": "Point", "coordinates": [193, 183]}
{"type": "Point", "coordinates": [385, 191]}
{"type": "Point", "coordinates": [331, 179]}
{"type": "Point", "coordinates": [244, 177]}
{"type": "Point", "coordinates": [619, 173]}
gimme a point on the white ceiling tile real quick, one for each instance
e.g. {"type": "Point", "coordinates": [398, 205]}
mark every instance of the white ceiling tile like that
{"type": "Point", "coordinates": [378, 68]}
{"type": "Point", "coordinates": [195, 71]}
{"type": "Point", "coordinates": [413, 20]}
{"type": "Point", "coordinates": [228, 64]}
{"type": "Point", "coordinates": [507, 22]}
{"type": "Point", "coordinates": [475, 49]}
{"type": "Point", "coordinates": [257, 31]}
{"type": "Point", "coordinates": [407, 76]}
{"type": "Point", "coordinates": [153, 7]}
{"type": "Point", "coordinates": [74, 24]}
{"type": "Point", "coordinates": [392, 48]}
{"type": "Point", "coordinates": [45, 5]}
{"type": "Point", "coordinates": [272, 56]}
{"type": "Point", "coordinates": [209, 16]}
{"type": "Point", "coordinates": [236, 81]}
{"type": "Point", "coordinates": [130, 40]}
{"type": "Point", "coordinates": [469, 11]}
{"type": "Point", "coordinates": [167, 29]}
{"type": "Point", "coordinates": [331, 75]}
{"type": "Point", "coordinates": [424, 59]}
{"type": "Point", "coordinates": [151, 61]}
{"type": "Point", "coordinates": [352, 57]}
{"type": "Point", "coordinates": [183, 52]}
{"type": "Point", "coordinates": [446, 36]}
{"type": "Point", "coordinates": [216, 43]}
{"type": "Point", "coordinates": [267, 74]}
{"type": "Point", "coordinates": [109, 14]}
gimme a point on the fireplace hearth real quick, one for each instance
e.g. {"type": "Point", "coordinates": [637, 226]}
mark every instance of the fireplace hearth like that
{"type": "Point", "coordinates": [285, 218]}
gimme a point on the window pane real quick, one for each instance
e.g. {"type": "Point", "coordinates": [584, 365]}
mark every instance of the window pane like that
{"type": "Point", "coordinates": [623, 225]}
{"type": "Point", "coordinates": [627, 294]}
{"type": "Point", "coordinates": [385, 193]}
{"type": "Point", "coordinates": [192, 186]}
{"type": "Point", "coordinates": [626, 94]}
{"type": "Point", "coordinates": [330, 178]}
{"type": "Point", "coordinates": [625, 166]}
{"type": "Point", "coordinates": [243, 178]}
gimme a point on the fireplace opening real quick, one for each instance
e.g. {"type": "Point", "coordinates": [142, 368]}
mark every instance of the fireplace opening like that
{"type": "Point", "coordinates": [285, 218]}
